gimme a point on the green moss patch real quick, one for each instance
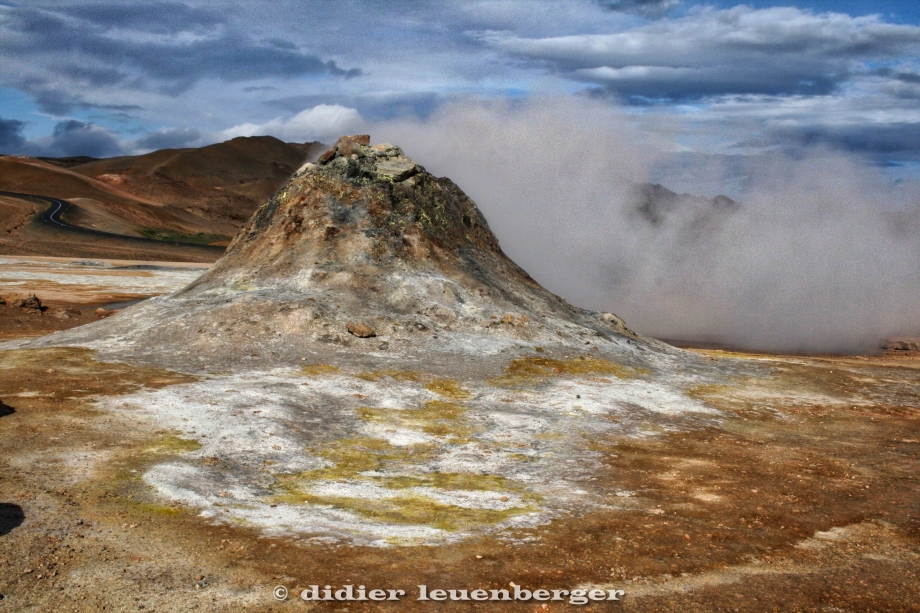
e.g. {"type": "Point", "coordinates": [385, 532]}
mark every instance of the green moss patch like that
{"type": "Point", "coordinates": [527, 371]}
{"type": "Point", "coordinates": [73, 372]}
{"type": "Point", "coordinates": [312, 370]}
{"type": "Point", "coordinates": [170, 443]}
{"type": "Point", "coordinates": [448, 388]}
{"type": "Point", "coordinates": [419, 510]}
{"type": "Point", "coordinates": [395, 375]}
{"type": "Point", "coordinates": [436, 417]}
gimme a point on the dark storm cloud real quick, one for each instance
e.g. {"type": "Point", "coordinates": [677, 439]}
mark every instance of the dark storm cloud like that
{"type": "Point", "coordinates": [649, 8]}
{"type": "Point", "coordinates": [779, 51]}
{"type": "Point", "coordinates": [11, 138]}
{"type": "Point", "coordinates": [898, 138]}
{"type": "Point", "coordinates": [904, 77]}
{"type": "Point", "coordinates": [169, 139]}
{"type": "Point", "coordinates": [166, 47]}
{"type": "Point", "coordinates": [73, 137]}
{"type": "Point", "coordinates": [59, 102]}
{"type": "Point", "coordinates": [69, 138]}
{"type": "Point", "coordinates": [159, 17]}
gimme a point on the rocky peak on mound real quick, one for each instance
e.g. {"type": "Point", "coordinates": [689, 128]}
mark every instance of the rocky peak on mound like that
{"type": "Point", "coordinates": [364, 206]}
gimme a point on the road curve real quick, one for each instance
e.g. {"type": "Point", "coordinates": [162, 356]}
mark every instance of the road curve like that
{"type": "Point", "coordinates": [52, 217]}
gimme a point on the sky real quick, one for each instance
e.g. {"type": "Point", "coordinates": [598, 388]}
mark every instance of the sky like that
{"type": "Point", "coordinates": [108, 78]}
{"type": "Point", "coordinates": [546, 112]}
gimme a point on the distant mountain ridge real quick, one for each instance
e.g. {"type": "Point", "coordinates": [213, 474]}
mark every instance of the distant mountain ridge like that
{"type": "Point", "coordinates": [204, 195]}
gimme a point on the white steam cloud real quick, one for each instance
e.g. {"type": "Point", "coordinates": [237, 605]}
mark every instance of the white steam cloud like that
{"type": "Point", "coordinates": [817, 258]}
{"type": "Point", "coordinates": [322, 122]}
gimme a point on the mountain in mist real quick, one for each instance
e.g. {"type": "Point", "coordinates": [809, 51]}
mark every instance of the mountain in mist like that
{"type": "Point", "coordinates": [656, 204]}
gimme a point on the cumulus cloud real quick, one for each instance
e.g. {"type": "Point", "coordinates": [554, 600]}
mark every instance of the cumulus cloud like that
{"type": "Point", "coordinates": [812, 260]}
{"type": "Point", "coordinates": [743, 50]}
{"type": "Point", "coordinates": [323, 122]}
{"type": "Point", "coordinates": [371, 106]}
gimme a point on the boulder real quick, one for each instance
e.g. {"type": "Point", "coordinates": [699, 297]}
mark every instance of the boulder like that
{"type": "Point", "coordinates": [29, 302]}
{"type": "Point", "coordinates": [441, 314]}
{"type": "Point", "coordinates": [65, 313]}
{"type": "Point", "coordinates": [360, 330]}
{"type": "Point", "coordinates": [614, 321]}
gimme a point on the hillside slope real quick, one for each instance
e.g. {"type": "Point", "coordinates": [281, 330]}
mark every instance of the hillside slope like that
{"type": "Point", "coordinates": [187, 195]}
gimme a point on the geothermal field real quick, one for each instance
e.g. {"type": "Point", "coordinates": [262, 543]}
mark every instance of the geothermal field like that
{"type": "Point", "coordinates": [363, 390]}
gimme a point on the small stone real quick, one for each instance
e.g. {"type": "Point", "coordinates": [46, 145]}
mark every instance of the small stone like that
{"type": "Point", "coordinates": [397, 169]}
{"type": "Point", "coordinates": [100, 312]}
{"type": "Point", "coordinates": [348, 148]}
{"type": "Point", "coordinates": [29, 302]}
{"type": "Point", "coordinates": [308, 167]}
{"type": "Point", "coordinates": [360, 330]}
{"type": "Point", "coordinates": [327, 156]}
{"type": "Point", "coordinates": [383, 148]}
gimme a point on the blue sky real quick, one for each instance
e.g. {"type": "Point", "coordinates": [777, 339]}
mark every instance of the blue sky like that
{"type": "Point", "coordinates": [104, 78]}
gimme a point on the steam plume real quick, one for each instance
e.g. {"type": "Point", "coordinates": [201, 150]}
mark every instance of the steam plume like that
{"type": "Point", "coordinates": [816, 257]}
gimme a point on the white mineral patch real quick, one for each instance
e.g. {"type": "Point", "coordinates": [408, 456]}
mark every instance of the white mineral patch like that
{"type": "Point", "coordinates": [266, 428]}
{"type": "Point", "coordinates": [89, 281]}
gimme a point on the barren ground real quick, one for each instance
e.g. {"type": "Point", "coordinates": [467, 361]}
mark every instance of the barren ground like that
{"type": "Point", "coordinates": [803, 496]}
{"type": "Point", "coordinates": [814, 510]}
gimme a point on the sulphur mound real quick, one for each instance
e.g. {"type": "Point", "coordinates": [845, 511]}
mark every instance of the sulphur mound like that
{"type": "Point", "coordinates": [371, 367]}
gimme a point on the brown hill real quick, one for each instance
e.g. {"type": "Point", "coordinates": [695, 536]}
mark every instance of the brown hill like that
{"type": "Point", "coordinates": [187, 195]}
{"type": "Point", "coordinates": [221, 184]}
